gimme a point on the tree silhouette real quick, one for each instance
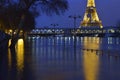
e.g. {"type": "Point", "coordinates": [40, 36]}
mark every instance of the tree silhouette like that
{"type": "Point", "coordinates": [18, 10]}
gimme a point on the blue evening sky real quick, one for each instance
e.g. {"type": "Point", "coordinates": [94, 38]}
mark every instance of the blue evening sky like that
{"type": "Point", "coordinates": [108, 11]}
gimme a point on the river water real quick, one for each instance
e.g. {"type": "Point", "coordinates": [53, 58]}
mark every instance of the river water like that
{"type": "Point", "coordinates": [62, 58]}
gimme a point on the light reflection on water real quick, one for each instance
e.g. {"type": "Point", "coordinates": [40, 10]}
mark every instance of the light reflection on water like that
{"type": "Point", "coordinates": [20, 54]}
{"type": "Point", "coordinates": [90, 58]}
{"type": "Point", "coordinates": [63, 58]}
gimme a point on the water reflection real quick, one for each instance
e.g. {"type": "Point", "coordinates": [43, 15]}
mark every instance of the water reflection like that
{"type": "Point", "coordinates": [71, 57]}
{"type": "Point", "coordinates": [90, 59]}
{"type": "Point", "coordinates": [9, 59]}
{"type": "Point", "coordinates": [16, 61]}
{"type": "Point", "coordinates": [62, 58]}
{"type": "Point", "coordinates": [53, 57]}
{"type": "Point", "coordinates": [20, 54]}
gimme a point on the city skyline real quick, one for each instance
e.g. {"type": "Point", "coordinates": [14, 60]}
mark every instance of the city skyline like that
{"type": "Point", "coordinates": [107, 11]}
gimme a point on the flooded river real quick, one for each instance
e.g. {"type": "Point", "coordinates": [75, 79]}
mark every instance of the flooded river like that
{"type": "Point", "coordinates": [62, 58]}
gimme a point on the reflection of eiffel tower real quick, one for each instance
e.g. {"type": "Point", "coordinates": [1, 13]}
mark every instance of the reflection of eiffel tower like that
{"type": "Point", "coordinates": [91, 18]}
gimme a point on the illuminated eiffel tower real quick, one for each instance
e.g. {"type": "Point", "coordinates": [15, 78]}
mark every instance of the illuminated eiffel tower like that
{"type": "Point", "coordinates": [91, 18]}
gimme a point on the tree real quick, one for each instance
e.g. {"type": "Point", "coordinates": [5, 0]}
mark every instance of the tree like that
{"type": "Point", "coordinates": [48, 7]}
{"type": "Point", "coordinates": [11, 15]}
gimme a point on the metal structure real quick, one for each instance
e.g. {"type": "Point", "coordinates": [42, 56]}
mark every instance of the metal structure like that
{"type": "Point", "coordinates": [74, 17]}
{"type": "Point", "coordinates": [91, 18]}
{"type": "Point", "coordinates": [100, 32]}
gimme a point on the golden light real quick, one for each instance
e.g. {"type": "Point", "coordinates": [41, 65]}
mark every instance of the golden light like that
{"type": "Point", "coordinates": [10, 30]}
{"type": "Point", "coordinates": [9, 59]}
{"type": "Point", "coordinates": [9, 43]}
{"type": "Point", "coordinates": [91, 17]}
{"type": "Point", "coordinates": [21, 31]}
{"type": "Point", "coordinates": [20, 54]}
{"type": "Point", "coordinates": [90, 59]}
{"type": "Point", "coordinates": [20, 42]}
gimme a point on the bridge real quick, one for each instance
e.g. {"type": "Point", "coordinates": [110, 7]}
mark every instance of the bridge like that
{"type": "Point", "coordinates": [92, 31]}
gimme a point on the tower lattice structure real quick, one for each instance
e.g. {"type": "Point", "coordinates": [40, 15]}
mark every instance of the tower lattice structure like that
{"type": "Point", "coordinates": [91, 18]}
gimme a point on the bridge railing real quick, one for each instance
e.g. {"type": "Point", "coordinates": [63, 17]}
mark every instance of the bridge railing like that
{"type": "Point", "coordinates": [75, 31]}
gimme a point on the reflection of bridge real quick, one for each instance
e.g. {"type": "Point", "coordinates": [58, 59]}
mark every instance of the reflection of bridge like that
{"type": "Point", "coordinates": [108, 31]}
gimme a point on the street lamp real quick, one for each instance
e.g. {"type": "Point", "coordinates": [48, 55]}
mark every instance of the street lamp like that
{"type": "Point", "coordinates": [74, 18]}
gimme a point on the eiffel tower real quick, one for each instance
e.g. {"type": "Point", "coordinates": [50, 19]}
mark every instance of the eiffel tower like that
{"type": "Point", "coordinates": [91, 18]}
